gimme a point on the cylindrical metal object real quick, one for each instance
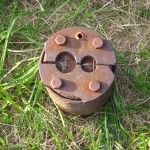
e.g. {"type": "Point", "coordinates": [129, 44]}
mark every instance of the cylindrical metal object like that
{"type": "Point", "coordinates": [75, 67]}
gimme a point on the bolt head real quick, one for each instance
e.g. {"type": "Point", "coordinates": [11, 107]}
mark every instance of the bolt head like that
{"type": "Point", "coordinates": [94, 86]}
{"type": "Point", "coordinates": [56, 83]}
{"type": "Point", "coordinates": [60, 39]}
{"type": "Point", "coordinates": [97, 43]}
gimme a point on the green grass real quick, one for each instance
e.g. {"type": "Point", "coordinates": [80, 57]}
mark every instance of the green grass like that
{"type": "Point", "coordinates": [30, 120]}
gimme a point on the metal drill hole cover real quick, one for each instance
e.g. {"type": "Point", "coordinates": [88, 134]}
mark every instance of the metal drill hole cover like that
{"type": "Point", "coordinates": [88, 64]}
{"type": "Point", "coordinates": [77, 68]}
{"type": "Point", "coordinates": [65, 62]}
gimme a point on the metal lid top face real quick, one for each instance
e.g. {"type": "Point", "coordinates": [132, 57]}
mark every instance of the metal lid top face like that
{"type": "Point", "coordinates": [75, 64]}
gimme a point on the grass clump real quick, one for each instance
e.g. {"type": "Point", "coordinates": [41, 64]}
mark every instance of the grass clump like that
{"type": "Point", "coordinates": [30, 120]}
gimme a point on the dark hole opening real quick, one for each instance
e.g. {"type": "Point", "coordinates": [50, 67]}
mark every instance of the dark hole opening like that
{"type": "Point", "coordinates": [88, 64]}
{"type": "Point", "coordinates": [80, 36]}
{"type": "Point", "coordinates": [113, 68]}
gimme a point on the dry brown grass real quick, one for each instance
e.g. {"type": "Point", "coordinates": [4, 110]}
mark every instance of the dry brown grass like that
{"type": "Point", "coordinates": [30, 120]}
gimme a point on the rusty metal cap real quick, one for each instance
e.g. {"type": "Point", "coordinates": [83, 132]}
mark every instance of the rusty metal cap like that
{"type": "Point", "coordinates": [80, 58]}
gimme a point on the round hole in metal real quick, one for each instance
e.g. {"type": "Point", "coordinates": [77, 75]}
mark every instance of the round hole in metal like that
{"type": "Point", "coordinates": [88, 64]}
{"type": "Point", "coordinates": [65, 62]}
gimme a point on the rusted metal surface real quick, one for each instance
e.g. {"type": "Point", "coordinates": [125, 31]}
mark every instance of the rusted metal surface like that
{"type": "Point", "coordinates": [75, 67]}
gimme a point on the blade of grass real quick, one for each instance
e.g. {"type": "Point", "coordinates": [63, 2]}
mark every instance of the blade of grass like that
{"type": "Point", "coordinates": [12, 69]}
{"type": "Point", "coordinates": [10, 27]}
{"type": "Point", "coordinates": [24, 78]}
{"type": "Point", "coordinates": [50, 129]}
{"type": "Point", "coordinates": [107, 133]}
{"type": "Point", "coordinates": [61, 6]}
{"type": "Point", "coordinates": [6, 97]}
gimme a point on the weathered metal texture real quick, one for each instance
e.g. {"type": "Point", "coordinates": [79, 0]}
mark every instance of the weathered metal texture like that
{"type": "Point", "coordinates": [75, 67]}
